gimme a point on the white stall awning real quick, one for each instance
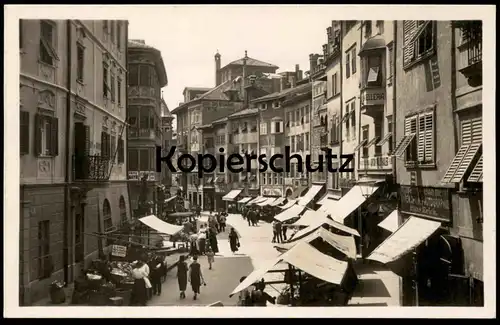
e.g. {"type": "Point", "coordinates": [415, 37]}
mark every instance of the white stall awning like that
{"type": "Point", "coordinates": [306, 258]}
{"type": "Point", "coordinates": [313, 191]}
{"type": "Point", "coordinates": [292, 212]}
{"type": "Point", "coordinates": [170, 198]}
{"type": "Point", "coordinates": [351, 201]}
{"type": "Point", "coordinates": [160, 225]}
{"type": "Point", "coordinates": [288, 204]}
{"type": "Point", "coordinates": [391, 223]}
{"type": "Point", "coordinates": [309, 217]}
{"type": "Point", "coordinates": [244, 200]}
{"type": "Point", "coordinates": [278, 201]}
{"type": "Point", "coordinates": [257, 199]}
{"type": "Point", "coordinates": [268, 201]}
{"type": "Point", "coordinates": [328, 206]}
{"type": "Point", "coordinates": [412, 233]}
{"type": "Point", "coordinates": [329, 197]}
{"type": "Point", "coordinates": [231, 195]}
{"type": "Point", "coordinates": [345, 244]}
{"type": "Point", "coordinates": [320, 223]}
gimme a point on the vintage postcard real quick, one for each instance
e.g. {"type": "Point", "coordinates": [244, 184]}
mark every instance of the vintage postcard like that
{"type": "Point", "coordinates": [164, 160]}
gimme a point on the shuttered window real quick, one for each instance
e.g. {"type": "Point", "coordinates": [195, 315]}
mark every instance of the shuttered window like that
{"type": "Point", "coordinates": [409, 29]}
{"type": "Point", "coordinates": [46, 135]}
{"type": "Point", "coordinates": [121, 151]}
{"type": "Point", "coordinates": [471, 131]}
{"type": "Point", "coordinates": [418, 39]}
{"type": "Point", "coordinates": [105, 145]}
{"type": "Point", "coordinates": [411, 129]}
{"type": "Point", "coordinates": [112, 150]}
{"type": "Point", "coordinates": [24, 133]}
{"type": "Point", "coordinates": [425, 138]}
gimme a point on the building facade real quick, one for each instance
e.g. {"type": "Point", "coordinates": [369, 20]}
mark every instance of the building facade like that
{"type": "Point", "coordinates": [147, 75]}
{"type": "Point", "coordinates": [438, 157]}
{"type": "Point", "coordinates": [167, 143]}
{"type": "Point", "coordinates": [73, 160]}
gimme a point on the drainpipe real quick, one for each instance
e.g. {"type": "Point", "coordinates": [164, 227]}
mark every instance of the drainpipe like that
{"type": "Point", "coordinates": [126, 120]}
{"type": "Point", "coordinates": [340, 129]}
{"type": "Point", "coordinates": [394, 110]}
{"type": "Point", "coordinates": [453, 81]}
{"type": "Point", "coordinates": [68, 161]}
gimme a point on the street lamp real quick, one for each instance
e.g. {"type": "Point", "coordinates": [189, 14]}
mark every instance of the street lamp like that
{"type": "Point", "coordinates": [367, 188]}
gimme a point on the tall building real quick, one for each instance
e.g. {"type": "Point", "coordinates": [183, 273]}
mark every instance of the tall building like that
{"type": "Point", "coordinates": [167, 137]}
{"type": "Point", "coordinates": [147, 75]}
{"type": "Point", "coordinates": [439, 158]}
{"type": "Point", "coordinates": [73, 161]}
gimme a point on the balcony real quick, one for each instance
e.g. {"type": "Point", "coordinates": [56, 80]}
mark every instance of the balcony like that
{"type": "Point", "coordinates": [91, 168]}
{"type": "Point", "coordinates": [471, 52]}
{"type": "Point", "coordinates": [372, 100]}
{"type": "Point", "coordinates": [246, 137]}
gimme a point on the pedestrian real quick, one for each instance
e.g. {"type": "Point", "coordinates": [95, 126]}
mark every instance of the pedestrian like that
{"type": "Point", "coordinates": [156, 274]}
{"type": "Point", "coordinates": [234, 241]}
{"type": "Point", "coordinates": [182, 276]}
{"type": "Point", "coordinates": [210, 257]}
{"type": "Point", "coordinates": [194, 245]}
{"type": "Point", "coordinates": [284, 228]}
{"type": "Point", "coordinates": [212, 241]}
{"type": "Point", "coordinates": [139, 290]}
{"type": "Point", "coordinates": [195, 277]}
{"type": "Point", "coordinates": [222, 223]}
{"type": "Point", "coordinates": [245, 297]}
{"type": "Point", "coordinates": [256, 217]}
{"type": "Point", "coordinates": [198, 211]}
{"type": "Point", "coordinates": [279, 230]}
{"type": "Point", "coordinates": [250, 214]}
{"type": "Point", "coordinates": [259, 296]}
{"type": "Point", "coordinates": [275, 231]}
{"type": "Point", "coordinates": [202, 237]}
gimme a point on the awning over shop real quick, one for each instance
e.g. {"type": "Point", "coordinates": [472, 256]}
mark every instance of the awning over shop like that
{"type": "Point", "coordinates": [412, 233]}
{"type": "Point", "coordinates": [288, 204]}
{"type": "Point", "coordinates": [306, 258]}
{"type": "Point", "coordinates": [350, 202]}
{"type": "Point", "coordinates": [391, 223]}
{"type": "Point", "coordinates": [296, 193]}
{"type": "Point", "coordinates": [160, 225]}
{"type": "Point", "coordinates": [344, 244]}
{"type": "Point", "coordinates": [170, 198]}
{"type": "Point", "coordinates": [257, 200]}
{"type": "Point", "coordinates": [328, 206]}
{"type": "Point", "coordinates": [290, 213]}
{"type": "Point", "coordinates": [278, 201]}
{"type": "Point", "coordinates": [320, 223]}
{"type": "Point", "coordinates": [267, 201]}
{"type": "Point", "coordinates": [313, 191]}
{"type": "Point", "coordinates": [309, 217]}
{"type": "Point", "coordinates": [328, 197]}
{"type": "Point", "coordinates": [244, 200]}
{"type": "Point", "coordinates": [231, 195]}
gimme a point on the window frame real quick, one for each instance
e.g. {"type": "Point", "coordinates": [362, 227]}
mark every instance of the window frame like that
{"type": "Point", "coordinates": [416, 142]}
{"type": "Point", "coordinates": [353, 60]}
{"type": "Point", "coordinates": [105, 82]}
{"type": "Point", "coordinates": [411, 43]}
{"type": "Point", "coordinates": [348, 64]}
{"type": "Point", "coordinates": [48, 44]}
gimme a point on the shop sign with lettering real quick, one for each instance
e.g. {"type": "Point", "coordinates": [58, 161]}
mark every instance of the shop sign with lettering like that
{"type": "Point", "coordinates": [272, 192]}
{"type": "Point", "coordinates": [431, 202]}
{"type": "Point", "coordinates": [380, 162]}
{"type": "Point", "coordinates": [133, 175]}
{"type": "Point", "coordinates": [373, 96]}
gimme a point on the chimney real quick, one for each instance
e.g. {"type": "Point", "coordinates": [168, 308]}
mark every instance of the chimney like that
{"type": "Point", "coordinates": [282, 83]}
{"type": "Point", "coordinates": [217, 69]}
{"type": "Point", "coordinates": [313, 61]}
{"type": "Point", "coordinates": [297, 72]}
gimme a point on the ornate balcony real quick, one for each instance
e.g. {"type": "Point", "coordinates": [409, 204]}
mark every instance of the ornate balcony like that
{"type": "Point", "coordinates": [91, 168]}
{"type": "Point", "coordinates": [471, 51]}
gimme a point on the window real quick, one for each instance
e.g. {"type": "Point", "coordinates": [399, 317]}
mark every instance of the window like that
{"type": "Point", "coordinates": [79, 237]}
{"type": "Point", "coordinates": [378, 135]}
{"type": "Point", "coordinates": [123, 210]}
{"type": "Point", "coordinates": [113, 88]}
{"type": "Point", "coordinates": [365, 136]}
{"type": "Point", "coordinates": [426, 138]}
{"type": "Point", "coordinates": [105, 86]}
{"type": "Point", "coordinates": [133, 75]}
{"type": "Point", "coordinates": [133, 160]}
{"type": "Point", "coordinates": [353, 119]}
{"type": "Point", "coordinates": [418, 40]}
{"type": "Point", "coordinates": [105, 26]}
{"type": "Point", "coordinates": [80, 55]}
{"type": "Point", "coordinates": [292, 144]}
{"type": "Point", "coordinates": [112, 142]}
{"type": "Point", "coordinates": [121, 151]}
{"type": "Point", "coordinates": [307, 113]}
{"type": "Point", "coordinates": [390, 53]}
{"type": "Point", "coordinates": [119, 35]}
{"type": "Point", "coordinates": [346, 120]}
{"type": "Point", "coordinates": [276, 127]}
{"type": "Point", "coordinates": [306, 141]}
{"type": "Point", "coordinates": [47, 50]}
{"type": "Point", "coordinates": [263, 106]}
{"type": "Point", "coordinates": [144, 160]}
{"type": "Point", "coordinates": [411, 129]}
{"type": "Point", "coordinates": [353, 60]}
{"type": "Point", "coordinates": [373, 72]}
{"type": "Point", "coordinates": [335, 90]}
{"type": "Point", "coordinates": [46, 135]}
{"type": "Point", "coordinates": [24, 133]}
{"type": "Point", "coordinates": [45, 266]}
{"type": "Point", "coordinates": [380, 25]}
{"type": "Point", "coordinates": [263, 128]}
{"type": "Point", "coordinates": [347, 65]}
{"type": "Point", "coordinates": [107, 219]}
{"type": "Point", "coordinates": [119, 91]}
{"type": "Point", "coordinates": [388, 136]}
{"type": "Point", "coordinates": [368, 28]}
{"type": "Point", "coordinates": [144, 75]}
{"type": "Point", "coordinates": [471, 131]}
{"type": "Point", "coordinates": [349, 24]}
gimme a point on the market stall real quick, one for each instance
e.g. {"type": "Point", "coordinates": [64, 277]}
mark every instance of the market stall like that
{"type": "Point", "coordinates": [288, 204]}
{"type": "Point", "coordinates": [293, 212]}
{"type": "Point", "coordinates": [328, 223]}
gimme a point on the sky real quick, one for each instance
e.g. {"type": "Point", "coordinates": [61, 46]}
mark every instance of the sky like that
{"type": "Point", "coordinates": [188, 38]}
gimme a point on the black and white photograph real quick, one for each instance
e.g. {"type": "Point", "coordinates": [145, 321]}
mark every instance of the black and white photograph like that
{"type": "Point", "coordinates": [249, 156]}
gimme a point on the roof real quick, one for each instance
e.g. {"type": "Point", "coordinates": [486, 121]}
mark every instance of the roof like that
{"type": "Point", "coordinates": [252, 62]}
{"type": "Point", "coordinates": [287, 92]}
{"type": "Point", "coordinates": [244, 112]}
{"type": "Point", "coordinates": [375, 43]}
{"type": "Point", "coordinates": [195, 89]}
{"type": "Point", "coordinates": [160, 66]}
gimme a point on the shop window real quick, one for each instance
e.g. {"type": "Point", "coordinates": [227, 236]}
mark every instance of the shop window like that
{"type": "Point", "coordinates": [45, 266]}
{"type": "Point", "coordinates": [418, 40]}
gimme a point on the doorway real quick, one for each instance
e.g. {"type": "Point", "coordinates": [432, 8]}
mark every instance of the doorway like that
{"type": "Point", "coordinates": [81, 149]}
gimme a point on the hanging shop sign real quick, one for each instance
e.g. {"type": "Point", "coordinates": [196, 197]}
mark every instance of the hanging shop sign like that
{"type": "Point", "coordinates": [430, 202]}
{"type": "Point", "coordinates": [373, 96]}
{"type": "Point", "coordinates": [119, 250]}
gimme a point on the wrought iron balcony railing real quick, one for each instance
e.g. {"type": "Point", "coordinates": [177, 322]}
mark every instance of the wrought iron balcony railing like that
{"type": "Point", "coordinates": [91, 168]}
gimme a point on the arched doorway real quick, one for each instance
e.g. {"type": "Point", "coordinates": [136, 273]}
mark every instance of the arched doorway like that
{"type": "Point", "coordinates": [123, 210]}
{"type": "Point", "coordinates": [107, 218]}
{"type": "Point", "coordinates": [288, 193]}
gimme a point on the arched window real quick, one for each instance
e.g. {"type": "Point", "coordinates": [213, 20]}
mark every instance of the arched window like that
{"type": "Point", "coordinates": [123, 210]}
{"type": "Point", "coordinates": [107, 219]}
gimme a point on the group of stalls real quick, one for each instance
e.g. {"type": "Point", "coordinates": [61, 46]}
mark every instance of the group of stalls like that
{"type": "Point", "coordinates": [108, 280]}
{"type": "Point", "coordinates": [268, 206]}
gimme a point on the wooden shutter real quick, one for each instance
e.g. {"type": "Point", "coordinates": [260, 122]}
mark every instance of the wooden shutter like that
{"type": "Point", "coordinates": [54, 136]}
{"type": "Point", "coordinates": [87, 139]}
{"type": "Point", "coordinates": [421, 139]}
{"type": "Point", "coordinates": [38, 134]}
{"type": "Point", "coordinates": [24, 130]}
{"type": "Point", "coordinates": [429, 137]}
{"type": "Point", "coordinates": [409, 29]}
{"type": "Point", "coordinates": [121, 156]}
{"type": "Point", "coordinates": [477, 130]}
{"type": "Point", "coordinates": [471, 131]}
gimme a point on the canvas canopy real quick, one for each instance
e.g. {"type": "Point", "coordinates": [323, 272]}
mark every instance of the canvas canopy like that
{"type": "Point", "coordinates": [244, 200]}
{"type": "Point", "coordinates": [277, 202]}
{"type": "Point", "coordinates": [306, 258]}
{"type": "Point", "coordinates": [309, 217]}
{"type": "Point", "coordinates": [257, 199]}
{"type": "Point", "coordinates": [288, 204]}
{"type": "Point", "coordinates": [313, 191]}
{"type": "Point", "coordinates": [319, 223]}
{"type": "Point", "coordinates": [266, 202]}
{"type": "Point", "coordinates": [231, 195]}
{"type": "Point", "coordinates": [328, 197]}
{"type": "Point", "coordinates": [293, 212]}
{"type": "Point", "coordinates": [391, 222]}
{"type": "Point", "coordinates": [344, 244]}
{"type": "Point", "coordinates": [339, 210]}
{"type": "Point", "coordinates": [160, 225]}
